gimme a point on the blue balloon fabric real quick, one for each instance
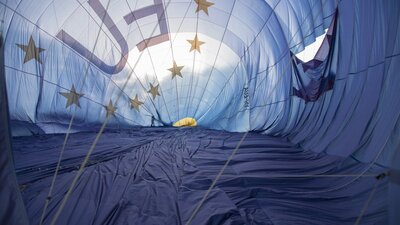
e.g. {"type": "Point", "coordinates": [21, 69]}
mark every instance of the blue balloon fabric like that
{"type": "Point", "coordinates": [159, 175]}
{"type": "Point", "coordinates": [242, 76]}
{"type": "Point", "coordinates": [73, 69]}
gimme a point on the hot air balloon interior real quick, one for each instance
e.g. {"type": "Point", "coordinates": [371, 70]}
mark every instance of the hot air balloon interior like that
{"type": "Point", "coordinates": [199, 112]}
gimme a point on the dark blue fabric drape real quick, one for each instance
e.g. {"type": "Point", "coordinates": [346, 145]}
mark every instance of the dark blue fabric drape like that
{"type": "Point", "coordinates": [158, 176]}
{"type": "Point", "coordinates": [12, 209]}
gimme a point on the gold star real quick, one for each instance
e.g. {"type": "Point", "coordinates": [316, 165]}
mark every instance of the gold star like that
{"type": "Point", "coordinates": [175, 70]}
{"type": "Point", "coordinates": [110, 109]}
{"type": "Point", "coordinates": [31, 51]}
{"type": "Point", "coordinates": [72, 97]}
{"type": "Point", "coordinates": [203, 5]}
{"type": "Point", "coordinates": [135, 103]}
{"type": "Point", "coordinates": [195, 44]}
{"type": "Point", "coordinates": [154, 90]}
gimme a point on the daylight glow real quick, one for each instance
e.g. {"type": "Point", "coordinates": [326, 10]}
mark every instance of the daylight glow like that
{"type": "Point", "coordinates": [309, 51]}
{"type": "Point", "coordinates": [153, 63]}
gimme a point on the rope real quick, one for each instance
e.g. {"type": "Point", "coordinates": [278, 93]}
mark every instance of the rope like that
{"type": "Point", "coordinates": [48, 198]}
{"type": "Point", "coordinates": [371, 195]}
{"type": "Point", "coordinates": [78, 174]}
{"type": "Point", "coordinates": [83, 165]}
{"type": "Point", "coordinates": [245, 134]}
{"type": "Point", "coordinates": [216, 179]}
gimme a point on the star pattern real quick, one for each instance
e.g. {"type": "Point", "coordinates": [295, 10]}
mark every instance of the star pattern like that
{"type": "Point", "coordinates": [195, 44]}
{"type": "Point", "coordinates": [154, 91]}
{"type": "Point", "coordinates": [31, 51]}
{"type": "Point", "coordinates": [72, 97]}
{"type": "Point", "coordinates": [110, 109]}
{"type": "Point", "coordinates": [135, 103]}
{"type": "Point", "coordinates": [203, 5]}
{"type": "Point", "coordinates": [175, 70]}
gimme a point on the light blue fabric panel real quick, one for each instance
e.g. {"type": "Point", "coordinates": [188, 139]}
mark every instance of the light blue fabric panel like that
{"type": "Point", "coordinates": [359, 115]}
{"type": "Point", "coordinates": [243, 79]}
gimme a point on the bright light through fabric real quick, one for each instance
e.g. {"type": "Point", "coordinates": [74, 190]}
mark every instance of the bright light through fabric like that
{"type": "Point", "coordinates": [227, 66]}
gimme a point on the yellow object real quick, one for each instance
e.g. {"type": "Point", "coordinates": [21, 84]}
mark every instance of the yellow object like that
{"type": "Point", "coordinates": [186, 122]}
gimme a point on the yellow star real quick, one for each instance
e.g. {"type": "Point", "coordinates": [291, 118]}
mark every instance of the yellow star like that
{"type": "Point", "coordinates": [72, 97]}
{"type": "Point", "coordinates": [31, 51]}
{"type": "Point", "coordinates": [135, 103]}
{"type": "Point", "coordinates": [110, 109]}
{"type": "Point", "coordinates": [203, 5]}
{"type": "Point", "coordinates": [175, 70]}
{"type": "Point", "coordinates": [195, 44]}
{"type": "Point", "coordinates": [154, 90]}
